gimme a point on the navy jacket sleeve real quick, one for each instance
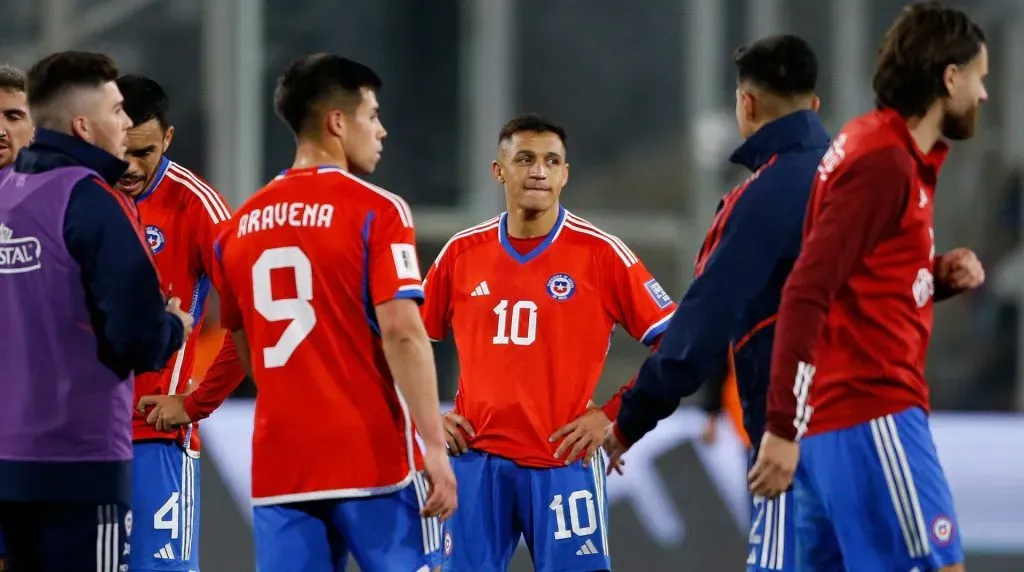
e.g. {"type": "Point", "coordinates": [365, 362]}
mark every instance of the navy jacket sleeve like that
{"type": "Point", "coordinates": [695, 346]}
{"type": "Point", "coordinates": [122, 284]}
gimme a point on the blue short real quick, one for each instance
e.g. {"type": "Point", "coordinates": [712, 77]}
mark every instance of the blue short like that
{"type": "Point", "coordinates": [382, 533]}
{"type": "Point", "coordinates": [874, 497]}
{"type": "Point", "coordinates": [771, 538]}
{"type": "Point", "coordinates": [562, 512]}
{"type": "Point", "coordinates": [165, 503]}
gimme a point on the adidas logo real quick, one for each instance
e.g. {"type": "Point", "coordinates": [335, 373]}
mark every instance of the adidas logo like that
{"type": "Point", "coordinates": [481, 289]}
{"type": "Point", "coordinates": [587, 549]}
{"type": "Point", "coordinates": [165, 553]}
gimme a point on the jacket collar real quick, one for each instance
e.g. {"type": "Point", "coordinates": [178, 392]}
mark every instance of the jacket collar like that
{"type": "Point", "coordinates": [85, 154]}
{"type": "Point", "coordinates": [798, 130]}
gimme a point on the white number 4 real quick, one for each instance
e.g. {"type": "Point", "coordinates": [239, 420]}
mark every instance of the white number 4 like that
{"type": "Point", "coordinates": [297, 310]}
{"type": "Point", "coordinates": [577, 528]}
{"type": "Point", "coordinates": [167, 517]}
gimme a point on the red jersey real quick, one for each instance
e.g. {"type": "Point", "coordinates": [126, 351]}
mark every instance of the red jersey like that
{"type": "Point", "coordinates": [304, 262]}
{"type": "Point", "coordinates": [182, 215]}
{"type": "Point", "coordinates": [856, 313]}
{"type": "Point", "coordinates": [533, 330]}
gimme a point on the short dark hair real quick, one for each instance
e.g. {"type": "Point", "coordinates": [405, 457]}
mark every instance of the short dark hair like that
{"type": "Point", "coordinates": [784, 64]}
{"type": "Point", "coordinates": [11, 78]}
{"type": "Point", "coordinates": [51, 76]}
{"type": "Point", "coordinates": [925, 39]}
{"type": "Point", "coordinates": [531, 123]}
{"type": "Point", "coordinates": [144, 99]}
{"type": "Point", "coordinates": [311, 80]}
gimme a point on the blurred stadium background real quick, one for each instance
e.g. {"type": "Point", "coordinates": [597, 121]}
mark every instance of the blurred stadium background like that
{"type": "Point", "coordinates": [645, 90]}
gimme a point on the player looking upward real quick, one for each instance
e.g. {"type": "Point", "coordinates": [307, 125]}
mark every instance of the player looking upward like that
{"type": "Point", "coordinates": [729, 310]}
{"type": "Point", "coordinates": [847, 376]}
{"type": "Point", "coordinates": [531, 297]}
{"type": "Point", "coordinates": [322, 284]}
{"type": "Point", "coordinates": [181, 215]}
{"type": "Point", "coordinates": [15, 123]}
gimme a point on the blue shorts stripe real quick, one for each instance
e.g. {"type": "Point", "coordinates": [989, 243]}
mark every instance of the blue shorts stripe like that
{"type": "Point", "coordinates": [431, 527]}
{"type": "Point", "coordinates": [597, 467]}
{"type": "Point", "coordinates": [902, 489]}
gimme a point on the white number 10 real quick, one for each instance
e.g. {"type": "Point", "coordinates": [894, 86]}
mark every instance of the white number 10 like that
{"type": "Point", "coordinates": [505, 333]}
{"type": "Point", "coordinates": [297, 310]}
{"type": "Point", "coordinates": [562, 531]}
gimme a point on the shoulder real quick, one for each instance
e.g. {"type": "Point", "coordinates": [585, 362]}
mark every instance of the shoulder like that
{"type": "Point", "coordinates": [484, 233]}
{"type": "Point", "coordinates": [865, 147]}
{"type": "Point", "coordinates": [92, 195]}
{"type": "Point", "coordinates": [606, 246]}
{"type": "Point", "coordinates": [375, 198]}
{"type": "Point", "coordinates": [195, 192]}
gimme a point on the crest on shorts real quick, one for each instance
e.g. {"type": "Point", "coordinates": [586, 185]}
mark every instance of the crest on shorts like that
{"type": "Point", "coordinates": [561, 287]}
{"type": "Point", "coordinates": [942, 530]}
{"type": "Point", "coordinates": [447, 543]}
{"type": "Point", "coordinates": [155, 237]}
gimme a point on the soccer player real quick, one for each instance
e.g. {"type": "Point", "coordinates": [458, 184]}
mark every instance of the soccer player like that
{"type": "Point", "coordinates": [15, 122]}
{"type": "Point", "coordinates": [83, 309]}
{"type": "Point", "coordinates": [181, 214]}
{"type": "Point", "coordinates": [848, 396]}
{"type": "Point", "coordinates": [729, 309]}
{"type": "Point", "coordinates": [321, 286]}
{"type": "Point", "coordinates": [531, 297]}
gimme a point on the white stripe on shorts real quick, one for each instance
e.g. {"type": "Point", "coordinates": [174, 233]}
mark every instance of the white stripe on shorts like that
{"type": "Point", "coordinates": [430, 527]}
{"type": "Point", "coordinates": [900, 482]}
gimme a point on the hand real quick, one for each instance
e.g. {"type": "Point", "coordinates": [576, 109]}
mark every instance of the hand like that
{"type": "Point", "coordinates": [615, 449]}
{"type": "Point", "coordinates": [961, 270]}
{"type": "Point", "coordinates": [776, 463]}
{"type": "Point", "coordinates": [443, 498]}
{"type": "Point", "coordinates": [458, 430]}
{"type": "Point", "coordinates": [168, 411]}
{"type": "Point", "coordinates": [582, 436]}
{"type": "Point", "coordinates": [174, 307]}
{"type": "Point", "coordinates": [710, 433]}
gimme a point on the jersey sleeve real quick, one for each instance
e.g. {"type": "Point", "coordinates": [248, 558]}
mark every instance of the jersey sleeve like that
{"type": "Point", "coordinates": [230, 311]}
{"type": "Point", "coordinates": [862, 203]}
{"type": "Point", "coordinates": [209, 214]}
{"type": "Point", "coordinates": [394, 271]}
{"type": "Point", "coordinates": [437, 290]}
{"type": "Point", "coordinates": [633, 297]}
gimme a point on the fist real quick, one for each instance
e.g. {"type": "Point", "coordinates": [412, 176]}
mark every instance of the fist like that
{"type": "Point", "coordinates": [960, 269]}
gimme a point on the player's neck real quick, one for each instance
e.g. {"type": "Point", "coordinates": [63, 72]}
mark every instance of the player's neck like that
{"type": "Point", "coordinates": [530, 224]}
{"type": "Point", "coordinates": [314, 154]}
{"type": "Point", "coordinates": [927, 129]}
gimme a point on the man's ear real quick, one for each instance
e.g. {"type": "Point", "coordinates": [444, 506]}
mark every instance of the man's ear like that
{"type": "Point", "coordinates": [497, 172]}
{"type": "Point", "coordinates": [168, 137]}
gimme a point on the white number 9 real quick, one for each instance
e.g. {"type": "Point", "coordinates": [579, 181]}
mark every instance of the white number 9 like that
{"type": "Point", "coordinates": [298, 310]}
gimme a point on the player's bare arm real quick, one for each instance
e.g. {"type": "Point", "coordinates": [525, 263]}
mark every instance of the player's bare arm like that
{"type": "Point", "coordinates": [411, 361]}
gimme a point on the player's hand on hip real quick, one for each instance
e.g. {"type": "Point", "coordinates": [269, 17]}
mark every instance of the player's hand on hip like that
{"type": "Point", "coordinates": [960, 269]}
{"type": "Point", "coordinates": [615, 449]}
{"type": "Point", "coordinates": [458, 431]}
{"type": "Point", "coordinates": [174, 307]}
{"type": "Point", "coordinates": [167, 413]}
{"type": "Point", "coordinates": [581, 436]}
{"type": "Point", "coordinates": [443, 498]}
{"type": "Point", "coordinates": [776, 464]}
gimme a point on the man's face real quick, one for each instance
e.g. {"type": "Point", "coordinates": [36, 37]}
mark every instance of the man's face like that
{"type": "Point", "coordinates": [363, 136]}
{"type": "Point", "coordinates": [145, 145]}
{"type": "Point", "coordinates": [15, 125]}
{"type": "Point", "coordinates": [966, 86]}
{"type": "Point", "coordinates": [104, 123]}
{"type": "Point", "coordinates": [533, 170]}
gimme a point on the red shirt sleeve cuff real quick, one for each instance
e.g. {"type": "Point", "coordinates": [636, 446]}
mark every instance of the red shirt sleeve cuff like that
{"type": "Point", "coordinates": [194, 411]}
